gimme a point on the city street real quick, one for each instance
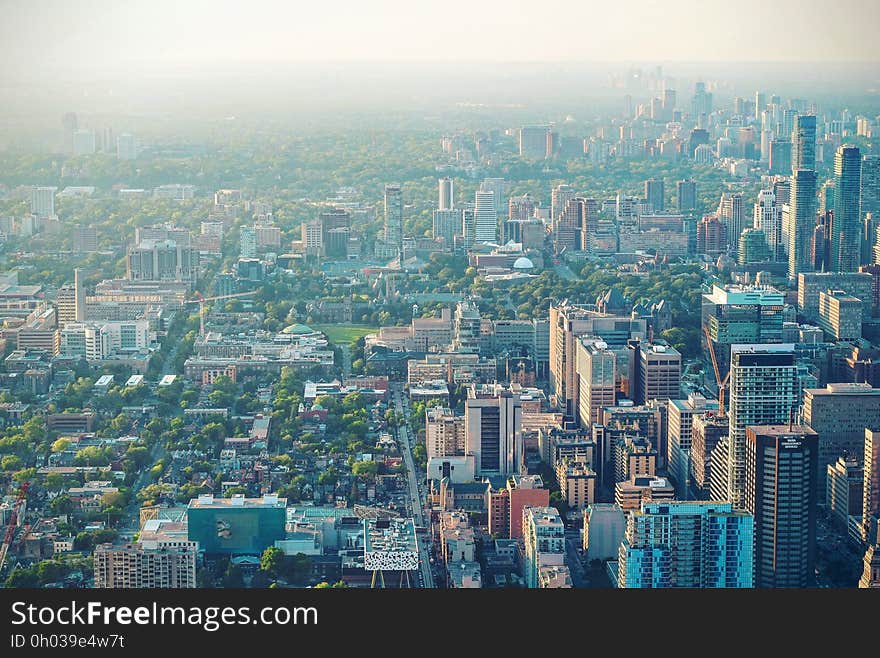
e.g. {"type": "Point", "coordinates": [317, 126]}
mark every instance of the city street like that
{"type": "Point", "coordinates": [415, 503]}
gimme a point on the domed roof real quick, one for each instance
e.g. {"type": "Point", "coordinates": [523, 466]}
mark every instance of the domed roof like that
{"type": "Point", "coordinates": [297, 329]}
{"type": "Point", "coordinates": [523, 263]}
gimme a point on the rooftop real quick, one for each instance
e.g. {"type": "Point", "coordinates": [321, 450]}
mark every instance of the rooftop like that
{"type": "Point", "coordinates": [208, 501]}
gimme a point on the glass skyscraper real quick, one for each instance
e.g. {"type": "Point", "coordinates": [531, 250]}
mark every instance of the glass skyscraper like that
{"type": "Point", "coordinates": [846, 227]}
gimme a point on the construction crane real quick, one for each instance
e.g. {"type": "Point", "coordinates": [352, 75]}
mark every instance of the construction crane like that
{"type": "Point", "coordinates": [201, 302]}
{"type": "Point", "coordinates": [13, 521]}
{"type": "Point", "coordinates": [722, 383]}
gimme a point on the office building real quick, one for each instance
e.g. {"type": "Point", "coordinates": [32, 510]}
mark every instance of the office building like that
{"type": "Point", "coordinates": [567, 323]}
{"type": "Point", "coordinates": [812, 284]}
{"type": "Point", "coordinates": [800, 221]}
{"type": "Point", "coordinates": [544, 542]}
{"type": "Point", "coordinates": [753, 247]}
{"type": "Point", "coordinates": [85, 239]}
{"type": "Point", "coordinates": [134, 567]}
{"type": "Point", "coordinates": [162, 260]}
{"type": "Point", "coordinates": [687, 544]}
{"type": "Point", "coordinates": [741, 314]}
{"type": "Point", "coordinates": [394, 217]}
{"type": "Point", "coordinates": [711, 236]}
{"type": "Point", "coordinates": [686, 195]}
{"type": "Point", "coordinates": [655, 194]}
{"type": "Point", "coordinates": [679, 432]}
{"type": "Point", "coordinates": [732, 213]}
{"type": "Point", "coordinates": [237, 525]}
{"type": "Point", "coordinates": [846, 225]}
{"type": "Point", "coordinates": [840, 315]}
{"type": "Point", "coordinates": [844, 486]}
{"type": "Point", "coordinates": [445, 194]}
{"type": "Point", "coordinates": [485, 217]}
{"type": "Point", "coordinates": [780, 157]}
{"type": "Point", "coordinates": [533, 142]}
{"type": "Point", "coordinates": [596, 367]}
{"type": "Point", "coordinates": [768, 218]}
{"type": "Point", "coordinates": [781, 493]}
{"type": "Point", "coordinates": [763, 390]}
{"type": "Point", "coordinates": [493, 430]}
{"type": "Point", "coordinates": [803, 139]}
{"type": "Point", "coordinates": [659, 375]}
{"type": "Point", "coordinates": [871, 488]}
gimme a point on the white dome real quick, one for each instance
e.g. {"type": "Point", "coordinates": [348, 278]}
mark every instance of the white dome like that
{"type": "Point", "coordinates": [523, 263]}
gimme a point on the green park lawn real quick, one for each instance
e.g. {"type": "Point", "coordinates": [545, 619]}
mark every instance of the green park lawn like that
{"type": "Point", "coordinates": [341, 334]}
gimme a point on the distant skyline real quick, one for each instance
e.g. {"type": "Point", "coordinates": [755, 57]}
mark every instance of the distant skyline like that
{"type": "Point", "coordinates": [103, 36]}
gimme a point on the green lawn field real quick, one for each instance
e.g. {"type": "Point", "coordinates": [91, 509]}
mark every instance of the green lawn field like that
{"type": "Point", "coordinates": [341, 334]}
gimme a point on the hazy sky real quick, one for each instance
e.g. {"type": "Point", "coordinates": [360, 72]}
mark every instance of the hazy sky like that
{"type": "Point", "coordinates": [96, 35]}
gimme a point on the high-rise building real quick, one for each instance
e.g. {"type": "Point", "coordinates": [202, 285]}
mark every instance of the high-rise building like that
{"type": "Point", "coordinates": [871, 489]}
{"type": "Point", "coordinates": [846, 225]}
{"type": "Point", "coordinates": [543, 540]}
{"type": "Point", "coordinates": [498, 188]}
{"type": "Point", "coordinates": [506, 505]}
{"type": "Point", "coordinates": [247, 242]}
{"type": "Point", "coordinates": [679, 432]}
{"type": "Point", "coordinates": [768, 218]}
{"type": "Point", "coordinates": [126, 147]}
{"type": "Point", "coordinates": [753, 247]}
{"type": "Point", "coordinates": [445, 196]}
{"type": "Point", "coordinates": [711, 236]}
{"type": "Point", "coordinates": [134, 567]}
{"type": "Point", "coordinates": [686, 195]}
{"type": "Point", "coordinates": [533, 142]}
{"type": "Point", "coordinates": [871, 572]}
{"type": "Point", "coordinates": [568, 322]}
{"type": "Point", "coordinates": [764, 390]}
{"type": "Point", "coordinates": [687, 544]}
{"type": "Point", "coordinates": [659, 373]}
{"type": "Point", "coordinates": [702, 102]}
{"type": "Point", "coordinates": [780, 156]}
{"type": "Point", "coordinates": [707, 430]}
{"type": "Point", "coordinates": [801, 221]}
{"type": "Point", "coordinates": [840, 315]}
{"type": "Point", "coordinates": [162, 260]}
{"type": "Point", "coordinates": [803, 140]}
{"type": "Point", "coordinates": [312, 238]}
{"type": "Point", "coordinates": [559, 198]}
{"type": "Point", "coordinates": [655, 194]}
{"type": "Point", "coordinates": [732, 212]}
{"type": "Point", "coordinates": [839, 413]}
{"type": "Point", "coordinates": [493, 430]}
{"type": "Point", "coordinates": [394, 217]}
{"type": "Point", "coordinates": [781, 493]}
{"type": "Point", "coordinates": [596, 367]}
{"type": "Point", "coordinates": [869, 199]}
{"type": "Point", "coordinates": [43, 201]}
{"type": "Point", "coordinates": [568, 226]}
{"type": "Point", "coordinates": [811, 284]}
{"type": "Point", "coordinates": [466, 328]}
{"type": "Point", "coordinates": [521, 207]}
{"type": "Point", "coordinates": [84, 142]}
{"type": "Point", "coordinates": [485, 217]}
{"type": "Point", "coordinates": [85, 239]}
{"type": "Point", "coordinates": [741, 314]}
{"type": "Point", "coordinates": [446, 225]}
{"type": "Point", "coordinates": [844, 485]}
{"type": "Point", "coordinates": [444, 433]}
